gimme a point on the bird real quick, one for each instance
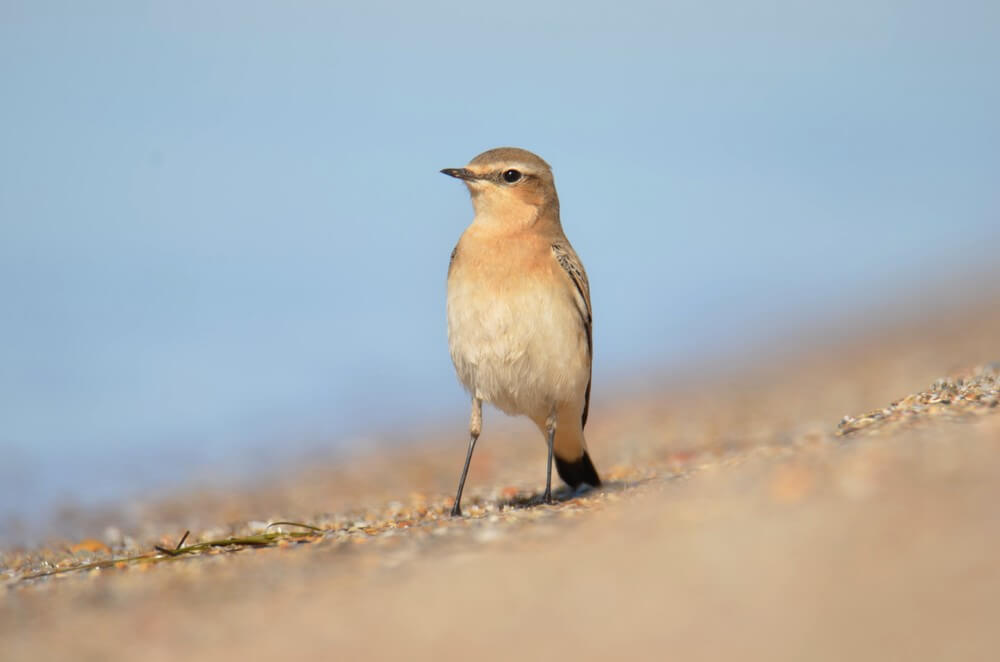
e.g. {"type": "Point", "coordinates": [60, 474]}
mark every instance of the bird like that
{"type": "Point", "coordinates": [520, 327]}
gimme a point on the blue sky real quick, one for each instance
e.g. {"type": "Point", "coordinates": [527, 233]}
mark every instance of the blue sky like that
{"type": "Point", "coordinates": [223, 234]}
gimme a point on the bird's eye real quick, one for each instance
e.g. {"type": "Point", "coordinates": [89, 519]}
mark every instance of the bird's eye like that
{"type": "Point", "coordinates": [511, 176]}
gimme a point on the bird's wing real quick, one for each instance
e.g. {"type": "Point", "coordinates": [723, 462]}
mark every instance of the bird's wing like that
{"type": "Point", "coordinates": [571, 264]}
{"type": "Point", "coordinates": [451, 260]}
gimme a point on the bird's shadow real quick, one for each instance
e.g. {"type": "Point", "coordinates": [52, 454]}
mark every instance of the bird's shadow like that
{"type": "Point", "coordinates": [566, 494]}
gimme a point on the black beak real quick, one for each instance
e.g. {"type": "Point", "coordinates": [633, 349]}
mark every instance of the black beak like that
{"type": "Point", "coordinates": [460, 173]}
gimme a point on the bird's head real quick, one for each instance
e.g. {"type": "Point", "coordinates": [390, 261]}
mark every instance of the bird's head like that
{"type": "Point", "coordinates": [509, 186]}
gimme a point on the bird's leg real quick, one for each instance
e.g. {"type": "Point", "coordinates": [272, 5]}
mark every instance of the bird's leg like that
{"type": "Point", "coordinates": [475, 427]}
{"type": "Point", "coordinates": [550, 426]}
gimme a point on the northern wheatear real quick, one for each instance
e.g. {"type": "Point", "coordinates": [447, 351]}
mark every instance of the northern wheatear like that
{"type": "Point", "coordinates": [519, 319]}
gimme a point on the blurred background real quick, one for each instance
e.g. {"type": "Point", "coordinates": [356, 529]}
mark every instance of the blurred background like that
{"type": "Point", "coordinates": [223, 235]}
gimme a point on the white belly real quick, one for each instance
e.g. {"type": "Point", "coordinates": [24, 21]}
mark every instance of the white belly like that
{"type": "Point", "coordinates": [524, 351]}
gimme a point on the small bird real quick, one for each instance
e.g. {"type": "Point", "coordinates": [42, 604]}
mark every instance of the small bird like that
{"type": "Point", "coordinates": [519, 316]}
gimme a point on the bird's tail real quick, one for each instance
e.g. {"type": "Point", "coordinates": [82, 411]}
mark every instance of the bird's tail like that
{"type": "Point", "coordinates": [576, 472]}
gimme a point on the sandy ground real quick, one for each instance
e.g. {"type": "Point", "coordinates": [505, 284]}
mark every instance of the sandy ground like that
{"type": "Point", "coordinates": [744, 517]}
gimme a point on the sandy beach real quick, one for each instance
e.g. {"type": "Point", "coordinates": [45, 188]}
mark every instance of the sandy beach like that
{"type": "Point", "coordinates": [830, 504]}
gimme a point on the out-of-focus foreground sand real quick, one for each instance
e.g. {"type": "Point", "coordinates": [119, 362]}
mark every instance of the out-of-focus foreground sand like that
{"type": "Point", "coordinates": [736, 524]}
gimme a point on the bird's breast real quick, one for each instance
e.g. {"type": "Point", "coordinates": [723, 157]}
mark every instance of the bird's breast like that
{"type": "Point", "coordinates": [515, 333]}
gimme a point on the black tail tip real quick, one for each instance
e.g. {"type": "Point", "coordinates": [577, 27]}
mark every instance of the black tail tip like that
{"type": "Point", "coordinates": [576, 472]}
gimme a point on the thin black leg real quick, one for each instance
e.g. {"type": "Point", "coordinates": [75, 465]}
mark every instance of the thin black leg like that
{"type": "Point", "coordinates": [547, 497]}
{"type": "Point", "coordinates": [475, 427]}
{"type": "Point", "coordinates": [456, 510]}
